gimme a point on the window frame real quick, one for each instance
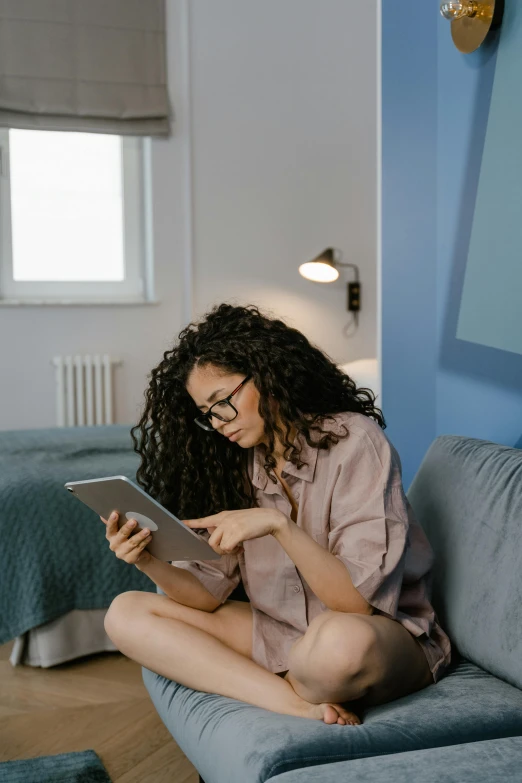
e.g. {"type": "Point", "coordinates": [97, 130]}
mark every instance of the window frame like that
{"type": "Point", "coordinates": [132, 289]}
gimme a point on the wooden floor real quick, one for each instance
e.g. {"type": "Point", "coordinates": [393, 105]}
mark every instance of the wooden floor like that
{"type": "Point", "coordinates": [99, 703]}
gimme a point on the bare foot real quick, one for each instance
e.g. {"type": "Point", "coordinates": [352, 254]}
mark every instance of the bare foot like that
{"type": "Point", "coordinates": [333, 713]}
{"type": "Point", "coordinates": [327, 711]}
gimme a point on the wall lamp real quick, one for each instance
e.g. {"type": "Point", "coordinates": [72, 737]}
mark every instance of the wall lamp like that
{"type": "Point", "coordinates": [471, 21]}
{"type": "Point", "coordinates": [324, 269]}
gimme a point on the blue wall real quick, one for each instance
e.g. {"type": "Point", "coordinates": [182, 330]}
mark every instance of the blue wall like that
{"type": "Point", "coordinates": [409, 238]}
{"type": "Point", "coordinates": [435, 104]}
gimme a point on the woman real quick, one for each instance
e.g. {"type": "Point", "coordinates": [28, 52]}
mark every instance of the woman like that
{"type": "Point", "coordinates": [252, 433]}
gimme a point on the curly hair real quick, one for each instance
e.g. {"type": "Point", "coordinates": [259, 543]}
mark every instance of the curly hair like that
{"type": "Point", "coordinates": [194, 473]}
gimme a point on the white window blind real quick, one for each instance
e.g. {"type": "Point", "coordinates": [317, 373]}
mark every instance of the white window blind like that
{"type": "Point", "coordinates": [84, 65]}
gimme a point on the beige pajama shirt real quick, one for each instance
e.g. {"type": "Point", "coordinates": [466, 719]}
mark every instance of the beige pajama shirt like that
{"type": "Point", "coordinates": [351, 502]}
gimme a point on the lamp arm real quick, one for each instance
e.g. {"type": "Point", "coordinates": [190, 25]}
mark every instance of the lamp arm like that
{"type": "Point", "coordinates": [353, 266]}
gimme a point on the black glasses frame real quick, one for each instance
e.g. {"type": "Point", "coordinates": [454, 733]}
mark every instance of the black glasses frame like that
{"type": "Point", "coordinates": [203, 420]}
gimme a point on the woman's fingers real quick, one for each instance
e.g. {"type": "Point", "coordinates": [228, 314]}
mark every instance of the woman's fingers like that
{"type": "Point", "coordinates": [136, 545]}
{"type": "Point", "coordinates": [126, 529]}
{"type": "Point", "coordinates": [127, 544]}
{"type": "Point", "coordinates": [215, 539]}
{"type": "Point", "coordinates": [210, 522]}
{"type": "Point", "coordinates": [117, 537]}
{"type": "Point", "coordinates": [111, 524]}
{"type": "Point", "coordinates": [197, 523]}
{"type": "Point", "coordinates": [138, 539]}
{"type": "Point", "coordinates": [130, 548]}
{"type": "Point", "coordinates": [224, 544]}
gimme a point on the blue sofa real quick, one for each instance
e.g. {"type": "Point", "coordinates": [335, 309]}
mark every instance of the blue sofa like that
{"type": "Point", "coordinates": [467, 496]}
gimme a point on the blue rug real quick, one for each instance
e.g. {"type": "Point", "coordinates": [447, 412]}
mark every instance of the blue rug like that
{"type": "Point", "coordinates": [84, 767]}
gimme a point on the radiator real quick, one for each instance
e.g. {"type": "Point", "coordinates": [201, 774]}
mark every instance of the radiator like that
{"type": "Point", "coordinates": [84, 390]}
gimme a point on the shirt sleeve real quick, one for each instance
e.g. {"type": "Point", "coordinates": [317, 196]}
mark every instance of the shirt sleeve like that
{"type": "Point", "coordinates": [369, 519]}
{"type": "Point", "coordinates": [219, 577]}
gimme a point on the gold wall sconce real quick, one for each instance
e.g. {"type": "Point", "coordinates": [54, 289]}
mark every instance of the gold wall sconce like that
{"type": "Point", "coordinates": [471, 21]}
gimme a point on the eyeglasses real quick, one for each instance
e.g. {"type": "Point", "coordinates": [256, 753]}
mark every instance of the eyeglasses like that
{"type": "Point", "coordinates": [222, 410]}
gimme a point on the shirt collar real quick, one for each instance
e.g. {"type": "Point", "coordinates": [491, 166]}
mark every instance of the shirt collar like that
{"type": "Point", "coordinates": [308, 454]}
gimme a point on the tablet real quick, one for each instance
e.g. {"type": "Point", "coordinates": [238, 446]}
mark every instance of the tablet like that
{"type": "Point", "coordinates": [171, 539]}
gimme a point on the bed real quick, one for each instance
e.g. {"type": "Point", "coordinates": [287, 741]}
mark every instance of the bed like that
{"type": "Point", "coordinates": [58, 576]}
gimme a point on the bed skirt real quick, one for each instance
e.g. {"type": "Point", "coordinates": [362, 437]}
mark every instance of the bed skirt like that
{"type": "Point", "coordinates": [74, 635]}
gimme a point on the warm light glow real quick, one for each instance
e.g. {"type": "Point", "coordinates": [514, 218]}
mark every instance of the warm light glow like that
{"type": "Point", "coordinates": [319, 272]}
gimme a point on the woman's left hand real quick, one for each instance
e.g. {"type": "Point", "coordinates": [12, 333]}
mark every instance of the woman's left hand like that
{"type": "Point", "coordinates": [230, 528]}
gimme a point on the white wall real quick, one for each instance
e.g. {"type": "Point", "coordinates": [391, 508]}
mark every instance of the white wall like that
{"type": "Point", "coordinates": [273, 158]}
{"type": "Point", "coordinates": [284, 118]}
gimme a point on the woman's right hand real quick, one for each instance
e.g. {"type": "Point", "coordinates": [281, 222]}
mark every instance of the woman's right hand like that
{"type": "Point", "coordinates": [125, 544]}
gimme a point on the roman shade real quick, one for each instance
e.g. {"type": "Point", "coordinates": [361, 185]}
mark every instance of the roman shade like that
{"type": "Point", "coordinates": [84, 65]}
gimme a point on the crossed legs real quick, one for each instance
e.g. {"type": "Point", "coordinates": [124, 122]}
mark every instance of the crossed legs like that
{"type": "Point", "coordinates": [341, 658]}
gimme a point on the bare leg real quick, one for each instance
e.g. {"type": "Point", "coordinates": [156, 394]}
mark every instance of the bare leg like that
{"type": "Point", "coordinates": [371, 660]}
{"type": "Point", "coordinates": [196, 659]}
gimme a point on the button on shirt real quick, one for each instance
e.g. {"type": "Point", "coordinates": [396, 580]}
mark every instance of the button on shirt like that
{"type": "Point", "coordinates": [352, 503]}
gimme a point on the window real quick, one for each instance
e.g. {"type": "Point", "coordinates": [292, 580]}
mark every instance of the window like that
{"type": "Point", "coordinates": [71, 217]}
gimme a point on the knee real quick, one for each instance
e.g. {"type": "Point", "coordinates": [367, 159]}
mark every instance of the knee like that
{"type": "Point", "coordinates": [341, 648]}
{"type": "Point", "coordinates": [349, 640]}
{"type": "Point", "coordinates": [121, 612]}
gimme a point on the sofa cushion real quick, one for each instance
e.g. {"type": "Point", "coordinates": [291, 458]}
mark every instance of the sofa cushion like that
{"type": "Point", "coordinates": [467, 495]}
{"type": "Point", "coordinates": [493, 761]}
{"type": "Point", "coordinates": [229, 741]}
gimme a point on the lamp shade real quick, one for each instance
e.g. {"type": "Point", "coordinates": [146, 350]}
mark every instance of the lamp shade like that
{"type": "Point", "coordinates": [321, 269]}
